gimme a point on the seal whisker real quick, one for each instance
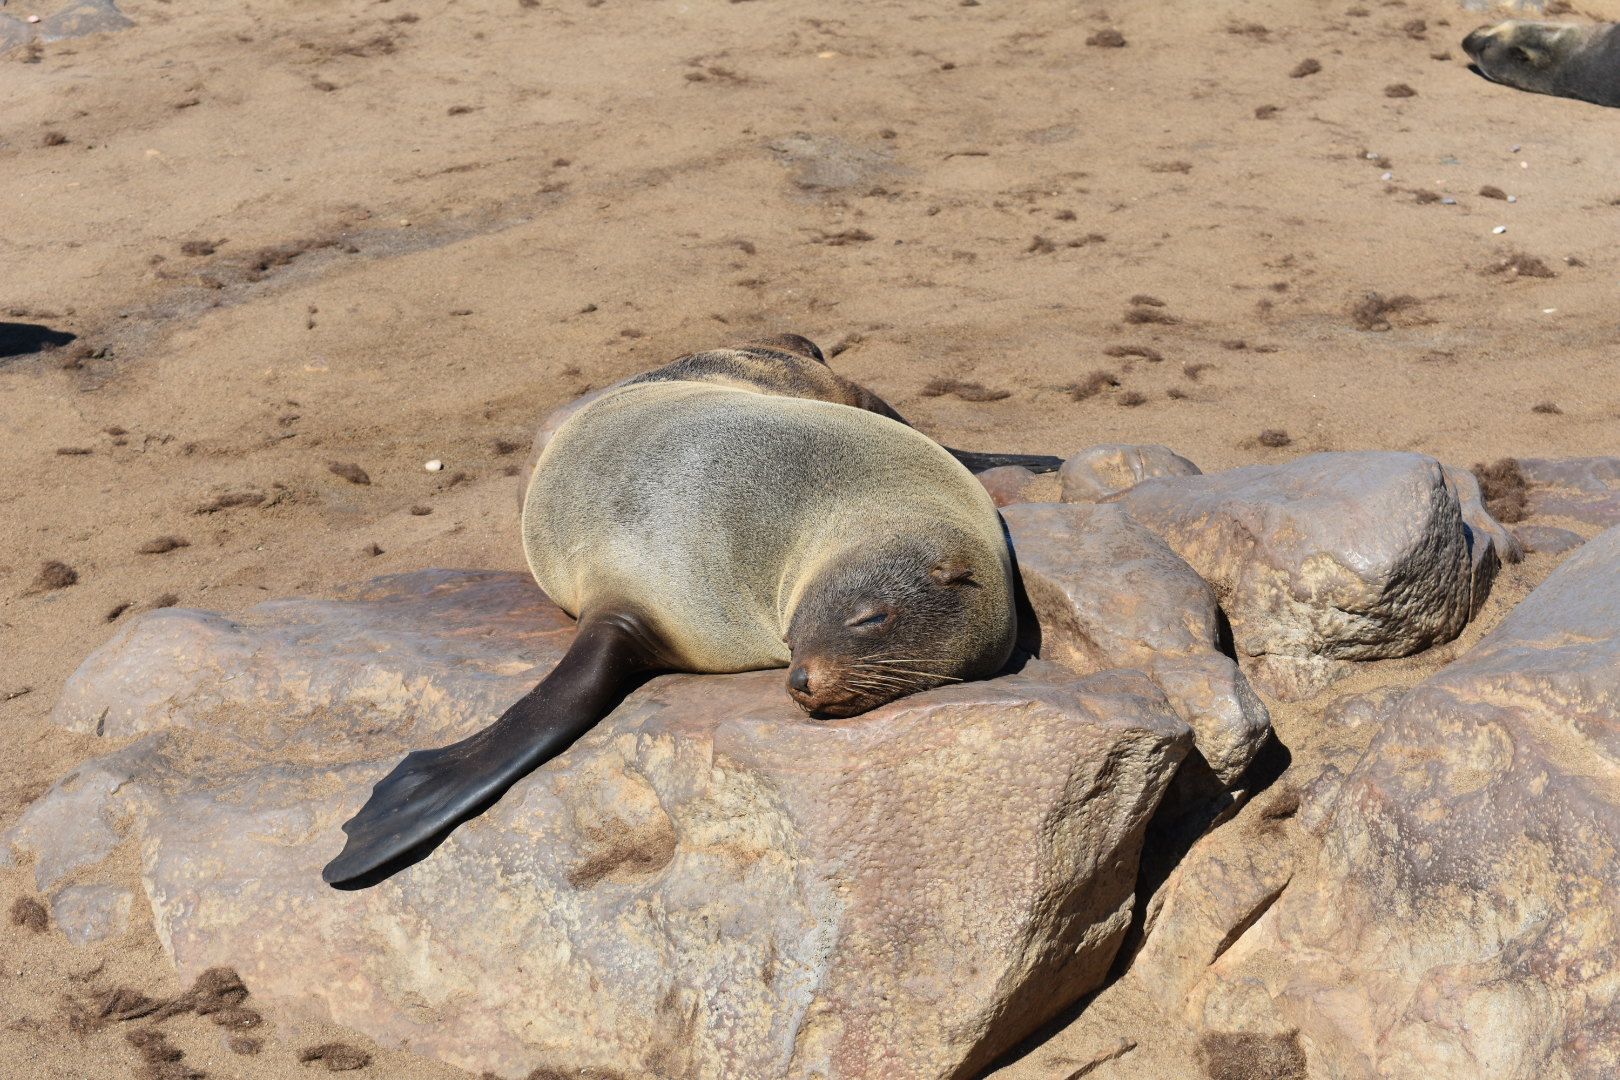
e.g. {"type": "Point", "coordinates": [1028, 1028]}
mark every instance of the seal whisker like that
{"type": "Point", "coordinates": [895, 669]}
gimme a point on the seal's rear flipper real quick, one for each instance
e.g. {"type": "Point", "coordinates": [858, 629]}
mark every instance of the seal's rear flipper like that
{"type": "Point", "coordinates": [978, 463]}
{"type": "Point", "coordinates": [431, 792]}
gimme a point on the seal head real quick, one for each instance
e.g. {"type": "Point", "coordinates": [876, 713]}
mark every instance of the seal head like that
{"type": "Point", "coordinates": [896, 616]}
{"type": "Point", "coordinates": [1562, 59]}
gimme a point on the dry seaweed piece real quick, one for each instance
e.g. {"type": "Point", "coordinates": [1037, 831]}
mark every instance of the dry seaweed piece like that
{"type": "Point", "coordinates": [1372, 311]}
{"type": "Point", "coordinates": [30, 913]}
{"type": "Point", "coordinates": [1092, 385]}
{"type": "Point", "coordinates": [351, 472]}
{"type": "Point", "coordinates": [230, 500]}
{"type": "Point", "coordinates": [1520, 265]}
{"type": "Point", "coordinates": [55, 574]}
{"type": "Point", "coordinates": [1153, 355]}
{"type": "Point", "coordinates": [967, 391]}
{"type": "Point", "coordinates": [1275, 437]}
{"type": "Point", "coordinates": [162, 544]}
{"type": "Point", "coordinates": [1503, 486]}
{"type": "Point", "coordinates": [123, 1004]}
{"type": "Point", "coordinates": [336, 1056]}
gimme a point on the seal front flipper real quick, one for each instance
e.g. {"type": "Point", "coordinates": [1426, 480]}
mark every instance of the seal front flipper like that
{"type": "Point", "coordinates": [978, 463]}
{"type": "Point", "coordinates": [431, 792]}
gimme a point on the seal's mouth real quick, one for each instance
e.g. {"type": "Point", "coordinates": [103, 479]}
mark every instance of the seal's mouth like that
{"type": "Point", "coordinates": [819, 688]}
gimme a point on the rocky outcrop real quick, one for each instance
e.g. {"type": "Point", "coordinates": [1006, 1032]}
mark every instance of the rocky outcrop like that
{"type": "Point", "coordinates": [1329, 558]}
{"type": "Point", "coordinates": [708, 884]}
{"type": "Point", "coordinates": [1108, 593]}
{"type": "Point", "coordinates": [1458, 918]}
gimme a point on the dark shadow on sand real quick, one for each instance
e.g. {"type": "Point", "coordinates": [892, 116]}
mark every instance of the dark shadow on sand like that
{"type": "Point", "coordinates": [23, 339]}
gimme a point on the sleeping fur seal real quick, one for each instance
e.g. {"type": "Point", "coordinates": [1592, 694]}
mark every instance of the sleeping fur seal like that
{"type": "Point", "coordinates": [709, 524]}
{"type": "Point", "coordinates": [1563, 59]}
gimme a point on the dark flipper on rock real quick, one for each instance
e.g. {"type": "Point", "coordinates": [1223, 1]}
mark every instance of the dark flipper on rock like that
{"type": "Point", "coordinates": [431, 792]}
{"type": "Point", "coordinates": [978, 463]}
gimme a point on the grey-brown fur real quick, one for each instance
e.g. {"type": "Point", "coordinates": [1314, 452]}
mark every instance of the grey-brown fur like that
{"type": "Point", "coordinates": [1563, 59]}
{"type": "Point", "coordinates": [786, 365]}
{"type": "Point", "coordinates": [718, 511]}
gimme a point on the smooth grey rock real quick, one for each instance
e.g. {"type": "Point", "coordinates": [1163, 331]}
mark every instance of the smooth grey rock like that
{"type": "Point", "coordinates": [1460, 920]}
{"type": "Point", "coordinates": [707, 884]}
{"type": "Point", "coordinates": [1547, 539]}
{"type": "Point", "coordinates": [1108, 593]}
{"type": "Point", "coordinates": [68, 827]}
{"type": "Point", "coordinates": [1327, 559]}
{"type": "Point", "coordinates": [1100, 471]}
{"type": "Point", "coordinates": [1583, 489]}
{"type": "Point", "coordinates": [87, 913]}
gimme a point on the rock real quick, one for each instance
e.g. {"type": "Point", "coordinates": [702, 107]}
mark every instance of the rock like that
{"type": "Point", "coordinates": [1547, 539]}
{"type": "Point", "coordinates": [69, 830]}
{"type": "Point", "coordinates": [1327, 559]}
{"type": "Point", "coordinates": [1584, 489]}
{"type": "Point", "coordinates": [1490, 543]}
{"type": "Point", "coordinates": [1009, 484]}
{"type": "Point", "coordinates": [461, 647]}
{"type": "Point", "coordinates": [78, 19]}
{"type": "Point", "coordinates": [1095, 474]}
{"type": "Point", "coordinates": [1108, 593]}
{"type": "Point", "coordinates": [707, 884]}
{"type": "Point", "coordinates": [87, 913]}
{"type": "Point", "coordinates": [1460, 919]}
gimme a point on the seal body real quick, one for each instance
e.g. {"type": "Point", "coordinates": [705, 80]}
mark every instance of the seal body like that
{"type": "Point", "coordinates": [1563, 59]}
{"type": "Point", "coordinates": [712, 510]}
{"type": "Point", "coordinates": [735, 510]}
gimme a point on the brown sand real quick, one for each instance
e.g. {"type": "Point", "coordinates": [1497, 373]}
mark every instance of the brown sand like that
{"type": "Point", "coordinates": [288, 235]}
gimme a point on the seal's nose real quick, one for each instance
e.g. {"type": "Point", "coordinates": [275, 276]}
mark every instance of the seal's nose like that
{"type": "Point", "coordinates": [799, 679]}
{"type": "Point", "coordinates": [1474, 42]}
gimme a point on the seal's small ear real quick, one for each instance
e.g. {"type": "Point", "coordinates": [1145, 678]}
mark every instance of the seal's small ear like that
{"type": "Point", "coordinates": [951, 572]}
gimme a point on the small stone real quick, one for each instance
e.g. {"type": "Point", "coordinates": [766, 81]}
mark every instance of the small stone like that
{"type": "Point", "coordinates": [1499, 230]}
{"type": "Point", "coordinates": [1512, 198]}
{"type": "Point", "coordinates": [434, 466]}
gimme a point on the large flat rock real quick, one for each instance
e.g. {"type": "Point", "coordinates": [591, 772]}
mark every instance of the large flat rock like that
{"type": "Point", "coordinates": [708, 884]}
{"type": "Point", "coordinates": [1329, 559]}
{"type": "Point", "coordinates": [1459, 919]}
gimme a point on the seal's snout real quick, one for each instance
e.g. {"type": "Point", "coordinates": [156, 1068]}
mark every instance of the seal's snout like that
{"type": "Point", "coordinates": [816, 687]}
{"type": "Point", "coordinates": [1475, 42]}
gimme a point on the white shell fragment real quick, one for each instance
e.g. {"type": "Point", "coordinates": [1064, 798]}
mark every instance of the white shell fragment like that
{"type": "Point", "coordinates": [434, 466]}
{"type": "Point", "coordinates": [1499, 230]}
